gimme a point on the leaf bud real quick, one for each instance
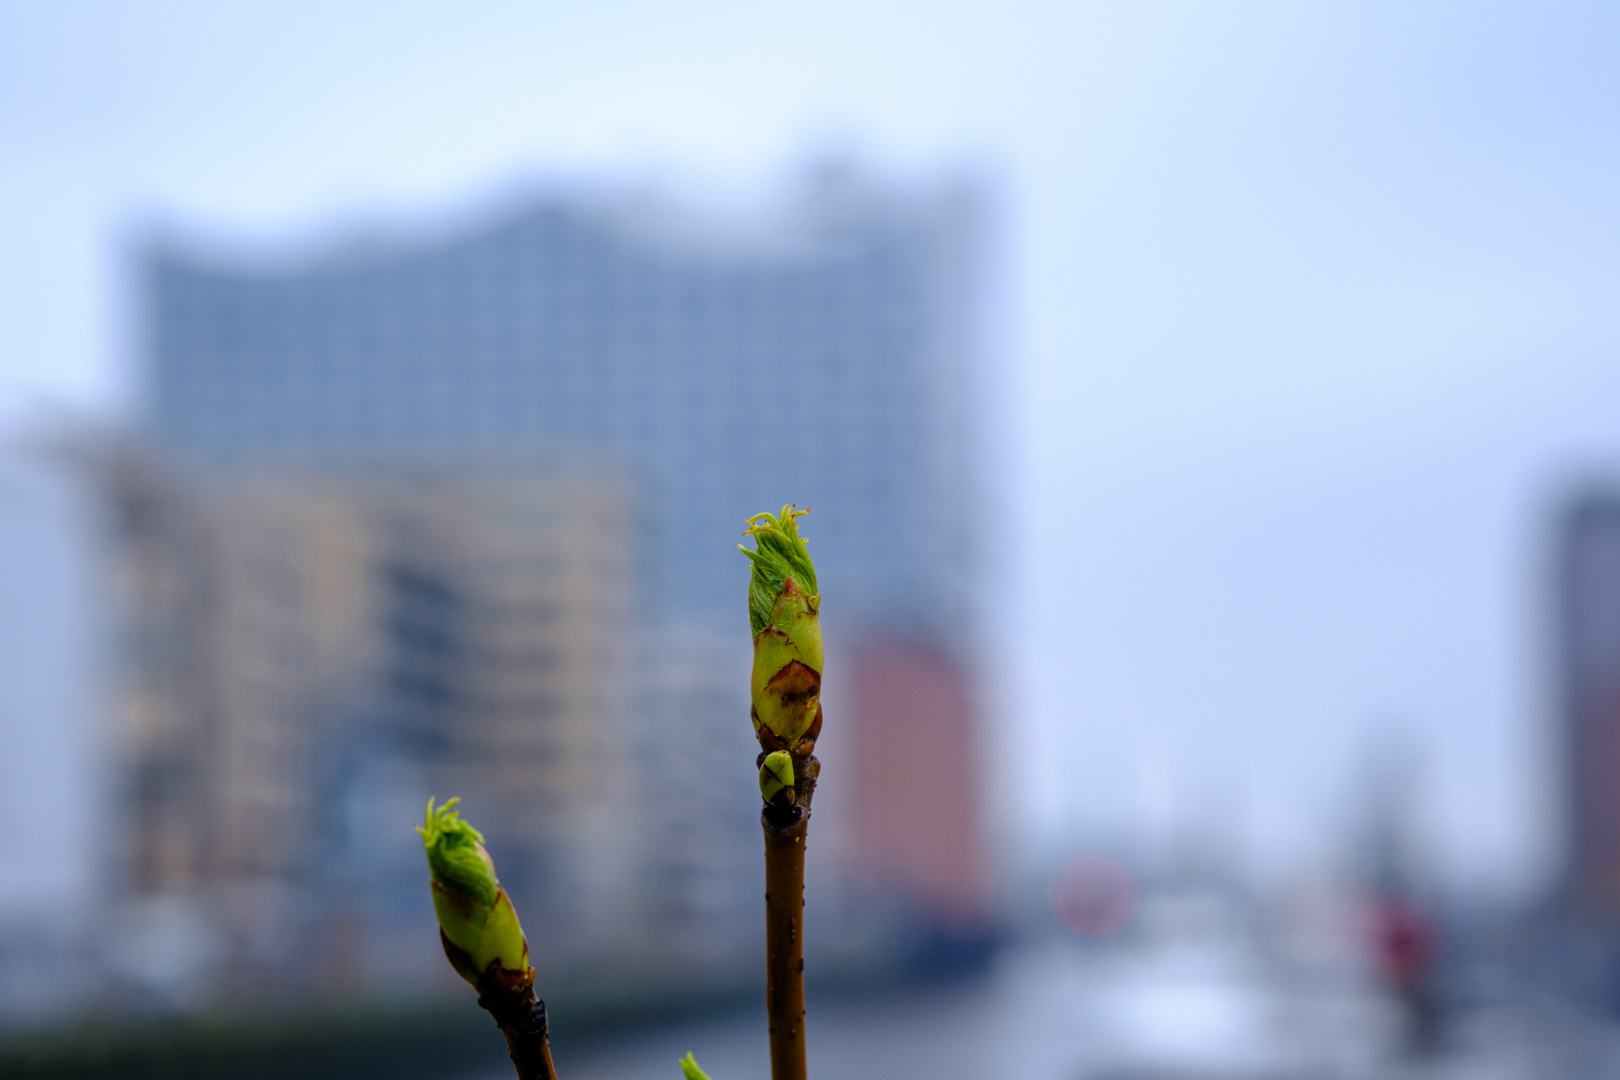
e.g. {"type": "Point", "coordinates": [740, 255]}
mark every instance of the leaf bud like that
{"type": "Point", "coordinates": [477, 924]}
{"type": "Point", "coordinates": [784, 612]}
{"type": "Point", "coordinates": [690, 1070]}
{"type": "Point", "coordinates": [776, 779]}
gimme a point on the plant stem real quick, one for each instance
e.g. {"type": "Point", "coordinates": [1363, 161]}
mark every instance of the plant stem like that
{"type": "Point", "coordinates": [785, 831]}
{"type": "Point", "coordinates": [522, 1020]}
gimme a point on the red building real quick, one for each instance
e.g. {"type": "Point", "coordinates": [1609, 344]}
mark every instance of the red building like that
{"type": "Point", "coordinates": [918, 828]}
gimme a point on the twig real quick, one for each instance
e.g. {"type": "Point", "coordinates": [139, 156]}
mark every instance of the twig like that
{"type": "Point", "coordinates": [784, 614]}
{"type": "Point", "coordinates": [785, 831]}
{"type": "Point", "coordinates": [520, 1015]}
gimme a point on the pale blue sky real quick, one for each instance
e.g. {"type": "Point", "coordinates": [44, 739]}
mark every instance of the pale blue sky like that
{"type": "Point", "coordinates": [1308, 308]}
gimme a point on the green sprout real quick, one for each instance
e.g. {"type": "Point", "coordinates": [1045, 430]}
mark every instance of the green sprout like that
{"type": "Point", "coordinates": [690, 1070]}
{"type": "Point", "coordinates": [784, 611]}
{"type": "Point", "coordinates": [781, 555]}
{"type": "Point", "coordinates": [776, 779]}
{"type": "Point", "coordinates": [476, 920]}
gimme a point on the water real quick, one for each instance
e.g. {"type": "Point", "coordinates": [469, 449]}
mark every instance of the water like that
{"type": "Point", "coordinates": [1178, 1009]}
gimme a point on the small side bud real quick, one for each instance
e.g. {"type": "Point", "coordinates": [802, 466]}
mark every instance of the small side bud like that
{"type": "Point", "coordinates": [478, 926]}
{"type": "Point", "coordinates": [776, 779]}
{"type": "Point", "coordinates": [690, 1070]}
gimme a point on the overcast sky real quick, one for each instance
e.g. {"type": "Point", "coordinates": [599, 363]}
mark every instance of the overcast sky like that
{"type": "Point", "coordinates": [1306, 311]}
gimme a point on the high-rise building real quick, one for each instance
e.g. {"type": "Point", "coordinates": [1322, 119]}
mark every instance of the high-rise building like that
{"type": "Point", "coordinates": [824, 355]}
{"type": "Point", "coordinates": [1588, 641]}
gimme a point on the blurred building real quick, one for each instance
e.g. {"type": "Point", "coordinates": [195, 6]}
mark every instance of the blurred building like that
{"type": "Point", "coordinates": [308, 657]}
{"type": "Point", "coordinates": [1588, 636]}
{"type": "Point", "coordinates": [918, 786]}
{"type": "Point", "coordinates": [822, 354]}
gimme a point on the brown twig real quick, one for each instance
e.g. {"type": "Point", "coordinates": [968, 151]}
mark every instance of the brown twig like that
{"type": "Point", "coordinates": [786, 829]}
{"type": "Point", "coordinates": [509, 998]}
{"type": "Point", "coordinates": [784, 941]}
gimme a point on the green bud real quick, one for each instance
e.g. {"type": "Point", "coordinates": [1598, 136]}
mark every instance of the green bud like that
{"type": "Point", "coordinates": [776, 779]}
{"type": "Point", "coordinates": [690, 1070]}
{"type": "Point", "coordinates": [476, 918]}
{"type": "Point", "coordinates": [784, 611]}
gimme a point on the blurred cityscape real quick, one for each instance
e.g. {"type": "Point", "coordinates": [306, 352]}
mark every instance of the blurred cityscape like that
{"type": "Point", "coordinates": [455, 514]}
{"type": "Point", "coordinates": [458, 516]}
{"type": "Point", "coordinates": [1208, 414]}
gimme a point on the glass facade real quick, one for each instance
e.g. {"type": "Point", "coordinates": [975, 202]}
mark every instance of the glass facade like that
{"type": "Point", "coordinates": [822, 360]}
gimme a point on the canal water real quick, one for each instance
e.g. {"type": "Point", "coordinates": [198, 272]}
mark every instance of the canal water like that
{"type": "Point", "coordinates": [1210, 1009]}
{"type": "Point", "coordinates": [1195, 991]}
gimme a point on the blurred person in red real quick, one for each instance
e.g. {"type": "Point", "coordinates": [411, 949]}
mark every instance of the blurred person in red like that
{"type": "Point", "coordinates": [1406, 945]}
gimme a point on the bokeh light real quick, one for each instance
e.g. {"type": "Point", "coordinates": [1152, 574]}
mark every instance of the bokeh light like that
{"type": "Point", "coordinates": [1093, 895]}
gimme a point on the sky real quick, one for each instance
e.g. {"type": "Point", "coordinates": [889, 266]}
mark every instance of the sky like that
{"type": "Point", "coordinates": [1304, 320]}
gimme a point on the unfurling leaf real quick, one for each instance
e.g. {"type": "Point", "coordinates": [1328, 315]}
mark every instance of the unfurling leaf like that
{"type": "Point", "coordinates": [476, 919]}
{"type": "Point", "coordinates": [690, 1070]}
